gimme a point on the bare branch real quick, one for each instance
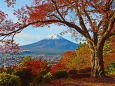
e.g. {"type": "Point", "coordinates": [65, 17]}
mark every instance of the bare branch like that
{"type": "Point", "coordinates": [100, 23]}
{"type": "Point", "coordinates": [111, 24]}
{"type": "Point", "coordinates": [54, 16]}
{"type": "Point", "coordinates": [108, 30]}
{"type": "Point", "coordinates": [57, 9]}
{"type": "Point", "coordinates": [82, 22]}
{"type": "Point", "coordinates": [92, 26]}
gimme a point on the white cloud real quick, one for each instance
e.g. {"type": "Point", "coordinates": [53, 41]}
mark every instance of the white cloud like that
{"type": "Point", "coordinates": [26, 36]}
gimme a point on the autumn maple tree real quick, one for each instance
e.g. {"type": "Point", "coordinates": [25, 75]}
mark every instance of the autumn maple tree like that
{"type": "Point", "coordinates": [80, 58]}
{"type": "Point", "coordinates": [93, 19]}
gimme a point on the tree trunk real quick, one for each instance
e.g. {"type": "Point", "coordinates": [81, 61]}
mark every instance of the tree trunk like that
{"type": "Point", "coordinates": [97, 63]}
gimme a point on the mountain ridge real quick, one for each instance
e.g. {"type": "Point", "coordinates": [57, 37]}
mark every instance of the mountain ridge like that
{"type": "Point", "coordinates": [55, 44]}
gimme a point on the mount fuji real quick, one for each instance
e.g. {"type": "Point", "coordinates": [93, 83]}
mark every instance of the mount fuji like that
{"type": "Point", "coordinates": [54, 44]}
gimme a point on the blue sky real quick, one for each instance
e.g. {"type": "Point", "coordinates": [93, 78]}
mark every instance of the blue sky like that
{"type": "Point", "coordinates": [30, 34]}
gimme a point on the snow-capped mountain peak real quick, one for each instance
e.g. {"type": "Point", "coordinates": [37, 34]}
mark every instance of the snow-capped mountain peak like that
{"type": "Point", "coordinates": [54, 44]}
{"type": "Point", "coordinates": [54, 37]}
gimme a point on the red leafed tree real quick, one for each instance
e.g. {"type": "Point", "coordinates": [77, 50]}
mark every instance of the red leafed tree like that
{"type": "Point", "coordinates": [111, 54]}
{"type": "Point", "coordinates": [77, 59]}
{"type": "Point", "coordinates": [80, 58]}
{"type": "Point", "coordinates": [7, 46]}
{"type": "Point", "coordinates": [67, 56]}
{"type": "Point", "coordinates": [93, 19]}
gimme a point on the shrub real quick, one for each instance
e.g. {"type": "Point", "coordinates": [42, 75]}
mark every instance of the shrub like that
{"type": "Point", "coordinates": [9, 80]}
{"type": "Point", "coordinates": [60, 74]}
{"type": "Point", "coordinates": [36, 66]}
{"type": "Point", "coordinates": [58, 66]}
{"type": "Point", "coordinates": [72, 73]}
{"type": "Point", "coordinates": [77, 59]}
{"type": "Point", "coordinates": [47, 77]}
{"type": "Point", "coordinates": [2, 70]}
{"type": "Point", "coordinates": [111, 68]}
{"type": "Point", "coordinates": [10, 69]}
{"type": "Point", "coordinates": [26, 59]}
{"type": "Point", "coordinates": [85, 70]}
{"type": "Point", "coordinates": [25, 76]}
{"type": "Point", "coordinates": [44, 77]}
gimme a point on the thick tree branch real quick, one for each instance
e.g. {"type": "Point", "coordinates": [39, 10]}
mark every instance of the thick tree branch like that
{"type": "Point", "coordinates": [53, 15]}
{"type": "Point", "coordinates": [105, 24]}
{"type": "Point", "coordinates": [108, 30]}
{"type": "Point", "coordinates": [24, 26]}
{"type": "Point", "coordinates": [92, 26]}
{"type": "Point", "coordinates": [47, 21]}
{"type": "Point", "coordinates": [57, 10]}
{"type": "Point", "coordinates": [84, 33]}
{"type": "Point", "coordinates": [77, 28]}
{"type": "Point", "coordinates": [99, 25]}
{"type": "Point", "coordinates": [110, 35]}
{"type": "Point", "coordinates": [89, 19]}
{"type": "Point", "coordinates": [81, 21]}
{"type": "Point", "coordinates": [111, 24]}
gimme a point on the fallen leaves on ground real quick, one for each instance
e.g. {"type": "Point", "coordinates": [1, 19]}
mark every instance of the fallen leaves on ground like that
{"type": "Point", "coordinates": [82, 81]}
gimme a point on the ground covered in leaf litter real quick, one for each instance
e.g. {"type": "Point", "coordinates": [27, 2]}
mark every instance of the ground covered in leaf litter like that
{"type": "Point", "coordinates": [83, 80]}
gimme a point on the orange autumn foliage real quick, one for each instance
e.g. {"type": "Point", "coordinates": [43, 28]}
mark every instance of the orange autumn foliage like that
{"type": "Point", "coordinates": [83, 54]}
{"type": "Point", "coordinates": [110, 57]}
{"type": "Point", "coordinates": [77, 59]}
{"type": "Point", "coordinates": [93, 19]}
{"type": "Point", "coordinates": [66, 57]}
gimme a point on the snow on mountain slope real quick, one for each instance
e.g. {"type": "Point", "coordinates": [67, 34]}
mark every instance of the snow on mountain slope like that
{"type": "Point", "coordinates": [52, 44]}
